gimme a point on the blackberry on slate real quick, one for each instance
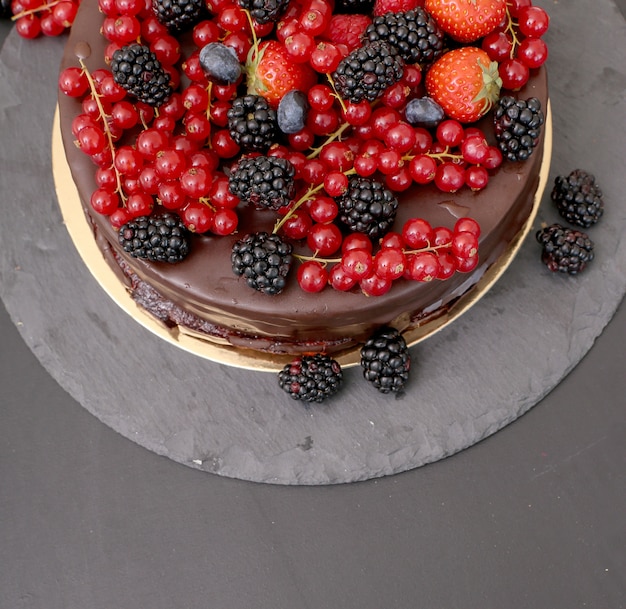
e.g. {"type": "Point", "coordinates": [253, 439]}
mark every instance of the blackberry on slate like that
{"type": "Point", "coordinates": [414, 34]}
{"type": "Point", "coordinates": [385, 360]}
{"type": "Point", "coordinates": [252, 123]}
{"type": "Point", "coordinates": [264, 11]}
{"type": "Point", "coordinates": [160, 238]}
{"type": "Point", "coordinates": [264, 260]}
{"type": "Point", "coordinates": [367, 207]}
{"type": "Point", "coordinates": [367, 71]}
{"type": "Point", "coordinates": [518, 125]}
{"type": "Point", "coordinates": [578, 198]}
{"type": "Point", "coordinates": [264, 181]}
{"type": "Point", "coordinates": [311, 378]}
{"type": "Point", "coordinates": [137, 69]}
{"type": "Point", "coordinates": [178, 15]}
{"type": "Point", "coordinates": [565, 250]}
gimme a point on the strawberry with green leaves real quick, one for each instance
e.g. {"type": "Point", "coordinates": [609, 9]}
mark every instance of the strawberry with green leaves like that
{"type": "Point", "coordinates": [467, 20]}
{"type": "Point", "coordinates": [465, 83]}
{"type": "Point", "coordinates": [271, 72]}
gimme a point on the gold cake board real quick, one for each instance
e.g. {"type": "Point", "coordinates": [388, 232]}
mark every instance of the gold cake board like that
{"type": "Point", "coordinates": [81, 234]}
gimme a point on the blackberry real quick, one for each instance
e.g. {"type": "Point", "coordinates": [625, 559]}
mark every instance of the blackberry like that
{"type": "Point", "coordinates": [178, 15]}
{"type": "Point", "coordinates": [367, 71]}
{"type": "Point", "coordinates": [578, 198]}
{"type": "Point", "coordinates": [367, 207]}
{"type": "Point", "coordinates": [5, 9]}
{"type": "Point", "coordinates": [139, 72]}
{"type": "Point", "coordinates": [252, 123]}
{"type": "Point", "coordinates": [264, 181]}
{"type": "Point", "coordinates": [518, 125]}
{"type": "Point", "coordinates": [414, 34]}
{"type": "Point", "coordinates": [311, 378]}
{"type": "Point", "coordinates": [565, 250]}
{"type": "Point", "coordinates": [160, 238]}
{"type": "Point", "coordinates": [385, 360]}
{"type": "Point", "coordinates": [264, 261]}
{"type": "Point", "coordinates": [264, 11]}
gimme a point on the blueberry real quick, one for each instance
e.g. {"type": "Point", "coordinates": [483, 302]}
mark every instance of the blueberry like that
{"type": "Point", "coordinates": [424, 112]}
{"type": "Point", "coordinates": [220, 62]}
{"type": "Point", "coordinates": [292, 109]}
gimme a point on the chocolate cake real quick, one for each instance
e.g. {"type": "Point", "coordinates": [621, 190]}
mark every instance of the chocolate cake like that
{"type": "Point", "coordinates": [202, 296]}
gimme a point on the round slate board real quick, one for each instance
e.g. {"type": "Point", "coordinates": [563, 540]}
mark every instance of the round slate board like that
{"type": "Point", "coordinates": [474, 377]}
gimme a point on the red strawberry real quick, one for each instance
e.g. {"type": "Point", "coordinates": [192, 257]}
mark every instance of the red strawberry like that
{"type": "Point", "coordinates": [271, 73]}
{"type": "Point", "coordinates": [382, 7]}
{"type": "Point", "coordinates": [467, 20]}
{"type": "Point", "coordinates": [465, 83]}
{"type": "Point", "coordinates": [347, 29]}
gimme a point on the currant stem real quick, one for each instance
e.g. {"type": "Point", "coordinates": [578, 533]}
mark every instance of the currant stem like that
{"type": "Point", "coordinates": [105, 124]}
{"type": "Point", "coordinates": [331, 138]}
{"type": "Point", "coordinates": [510, 28]}
{"type": "Point", "coordinates": [32, 11]}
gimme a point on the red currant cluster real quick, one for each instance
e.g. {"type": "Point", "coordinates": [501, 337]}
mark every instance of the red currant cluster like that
{"type": "Point", "coordinates": [517, 44]}
{"type": "Point", "coordinates": [419, 252]}
{"type": "Point", "coordinates": [50, 18]}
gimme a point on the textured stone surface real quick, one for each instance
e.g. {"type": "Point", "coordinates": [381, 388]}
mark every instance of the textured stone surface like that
{"type": "Point", "coordinates": [468, 381]}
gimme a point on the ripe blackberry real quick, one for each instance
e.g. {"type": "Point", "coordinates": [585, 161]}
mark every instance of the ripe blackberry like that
{"type": "Point", "coordinates": [264, 11]}
{"type": "Point", "coordinates": [368, 71]}
{"type": "Point", "coordinates": [263, 260]}
{"type": "Point", "coordinates": [354, 6]}
{"type": "Point", "coordinates": [367, 207]}
{"type": "Point", "coordinates": [178, 15]}
{"type": "Point", "coordinates": [160, 238]}
{"type": "Point", "coordinates": [138, 70]}
{"type": "Point", "coordinates": [252, 123]}
{"type": "Point", "coordinates": [5, 9]}
{"type": "Point", "coordinates": [518, 125]}
{"type": "Point", "coordinates": [385, 360]}
{"type": "Point", "coordinates": [311, 378]}
{"type": "Point", "coordinates": [578, 198]}
{"type": "Point", "coordinates": [414, 34]}
{"type": "Point", "coordinates": [264, 181]}
{"type": "Point", "coordinates": [565, 250]}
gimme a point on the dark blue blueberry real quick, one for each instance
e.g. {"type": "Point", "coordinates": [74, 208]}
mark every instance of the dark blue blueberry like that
{"type": "Point", "coordinates": [424, 112]}
{"type": "Point", "coordinates": [220, 62]}
{"type": "Point", "coordinates": [292, 110]}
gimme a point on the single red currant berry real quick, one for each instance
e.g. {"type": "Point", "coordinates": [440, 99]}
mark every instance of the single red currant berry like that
{"type": "Point", "coordinates": [321, 97]}
{"type": "Point", "coordinates": [312, 276]}
{"type": "Point", "coordinates": [400, 137]}
{"type": "Point", "coordinates": [417, 233]}
{"type": "Point", "coordinates": [325, 57]}
{"type": "Point", "coordinates": [323, 209]}
{"type": "Point", "coordinates": [297, 225]}
{"type": "Point", "coordinates": [514, 74]}
{"type": "Point", "coordinates": [464, 245]}
{"type": "Point", "coordinates": [223, 143]}
{"type": "Point", "coordinates": [467, 225]}
{"type": "Point", "coordinates": [128, 161]}
{"type": "Point", "coordinates": [171, 195]}
{"type": "Point", "coordinates": [357, 114]}
{"type": "Point", "coordinates": [170, 163]}
{"type": "Point", "coordinates": [493, 160]}
{"type": "Point", "coordinates": [447, 265]}
{"type": "Point", "coordinates": [167, 50]}
{"type": "Point", "coordinates": [475, 149]}
{"type": "Point", "coordinates": [150, 142]}
{"type": "Point", "coordinates": [73, 82]}
{"type": "Point", "coordinates": [533, 21]}
{"type": "Point", "coordinates": [324, 239]}
{"type": "Point", "coordinates": [399, 181]}
{"type": "Point", "coordinates": [423, 266]}
{"type": "Point", "coordinates": [197, 217]}
{"type": "Point", "coordinates": [28, 26]}
{"type": "Point", "coordinates": [149, 180]}
{"type": "Point", "coordinates": [104, 202]}
{"type": "Point", "coordinates": [450, 133]}
{"type": "Point", "coordinates": [423, 169]}
{"type": "Point", "coordinates": [195, 182]}
{"type": "Point", "coordinates": [497, 45]}
{"type": "Point", "coordinates": [375, 285]}
{"type": "Point", "coordinates": [392, 240]}
{"type": "Point", "coordinates": [357, 263]}
{"type": "Point", "coordinates": [356, 241]}
{"type": "Point", "coordinates": [389, 161]}
{"type": "Point", "coordinates": [423, 141]}
{"type": "Point", "coordinates": [124, 115]}
{"type": "Point", "coordinates": [365, 165]}
{"type": "Point", "coordinates": [442, 237]}
{"type": "Point", "coordinates": [335, 183]}
{"type": "Point", "coordinates": [139, 204]}
{"type": "Point", "coordinates": [389, 263]}
{"type": "Point", "coordinates": [476, 177]}
{"type": "Point", "coordinates": [533, 52]}
{"type": "Point", "coordinates": [339, 279]}
{"type": "Point", "coordinates": [449, 177]}
{"type": "Point", "coordinates": [466, 265]}
{"type": "Point", "coordinates": [119, 217]}
{"type": "Point", "coordinates": [91, 140]}
{"type": "Point", "coordinates": [225, 222]}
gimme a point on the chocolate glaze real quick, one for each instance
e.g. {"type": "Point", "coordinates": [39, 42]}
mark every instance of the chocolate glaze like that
{"type": "Point", "coordinates": [203, 294]}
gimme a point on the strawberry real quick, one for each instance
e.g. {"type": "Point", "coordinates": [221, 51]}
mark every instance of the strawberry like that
{"type": "Point", "coordinates": [347, 29]}
{"type": "Point", "coordinates": [382, 7]}
{"type": "Point", "coordinates": [271, 73]}
{"type": "Point", "coordinates": [467, 20]}
{"type": "Point", "coordinates": [465, 83]}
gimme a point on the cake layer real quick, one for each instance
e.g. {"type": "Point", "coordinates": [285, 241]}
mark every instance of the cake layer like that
{"type": "Point", "coordinates": [202, 293]}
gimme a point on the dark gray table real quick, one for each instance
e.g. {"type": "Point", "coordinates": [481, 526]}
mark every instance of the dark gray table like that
{"type": "Point", "coordinates": [531, 517]}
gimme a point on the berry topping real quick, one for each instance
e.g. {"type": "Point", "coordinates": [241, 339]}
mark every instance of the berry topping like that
{"type": "Point", "coordinates": [424, 112]}
{"type": "Point", "coordinates": [311, 378]}
{"type": "Point", "coordinates": [252, 123]}
{"type": "Point", "coordinates": [161, 238]}
{"type": "Point", "coordinates": [139, 72]}
{"type": "Point", "coordinates": [264, 181]}
{"type": "Point", "coordinates": [220, 62]}
{"type": "Point", "coordinates": [263, 260]}
{"type": "Point", "coordinates": [467, 20]}
{"type": "Point", "coordinates": [578, 198]}
{"type": "Point", "coordinates": [385, 360]}
{"type": "Point", "coordinates": [565, 250]}
{"type": "Point", "coordinates": [178, 15]}
{"type": "Point", "coordinates": [292, 112]}
{"type": "Point", "coordinates": [518, 125]}
{"type": "Point", "coordinates": [265, 11]}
